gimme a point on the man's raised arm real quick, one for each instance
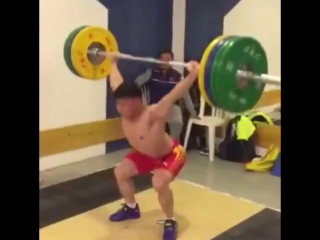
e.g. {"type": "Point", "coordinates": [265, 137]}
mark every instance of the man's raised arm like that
{"type": "Point", "coordinates": [115, 77]}
{"type": "Point", "coordinates": [162, 108]}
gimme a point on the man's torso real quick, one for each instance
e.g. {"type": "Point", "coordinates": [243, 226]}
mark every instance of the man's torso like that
{"type": "Point", "coordinates": [148, 136]}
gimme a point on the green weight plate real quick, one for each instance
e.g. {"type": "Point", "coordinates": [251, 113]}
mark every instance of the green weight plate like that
{"type": "Point", "coordinates": [207, 70]}
{"type": "Point", "coordinates": [67, 49]}
{"type": "Point", "coordinates": [211, 75]}
{"type": "Point", "coordinates": [231, 93]}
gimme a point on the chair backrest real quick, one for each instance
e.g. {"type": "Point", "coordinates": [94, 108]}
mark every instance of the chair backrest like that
{"type": "Point", "coordinates": [215, 112]}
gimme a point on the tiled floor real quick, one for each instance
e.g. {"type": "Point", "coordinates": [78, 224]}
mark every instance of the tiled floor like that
{"type": "Point", "coordinates": [219, 175]}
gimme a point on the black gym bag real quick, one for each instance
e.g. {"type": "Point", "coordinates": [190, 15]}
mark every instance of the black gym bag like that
{"type": "Point", "coordinates": [234, 150]}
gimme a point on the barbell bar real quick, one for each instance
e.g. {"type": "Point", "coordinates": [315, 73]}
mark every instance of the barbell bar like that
{"type": "Point", "coordinates": [265, 78]}
{"type": "Point", "coordinates": [232, 71]}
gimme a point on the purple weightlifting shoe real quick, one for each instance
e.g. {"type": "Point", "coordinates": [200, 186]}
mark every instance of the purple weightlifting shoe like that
{"type": "Point", "coordinates": [170, 229]}
{"type": "Point", "coordinates": [125, 213]}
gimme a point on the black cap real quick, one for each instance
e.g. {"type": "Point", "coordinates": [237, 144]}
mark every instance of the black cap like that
{"type": "Point", "coordinates": [127, 90]}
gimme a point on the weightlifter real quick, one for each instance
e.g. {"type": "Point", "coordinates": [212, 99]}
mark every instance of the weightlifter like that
{"type": "Point", "coordinates": [154, 150]}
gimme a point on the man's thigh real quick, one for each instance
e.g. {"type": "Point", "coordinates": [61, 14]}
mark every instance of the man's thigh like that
{"type": "Point", "coordinates": [173, 162]}
{"type": "Point", "coordinates": [143, 163]}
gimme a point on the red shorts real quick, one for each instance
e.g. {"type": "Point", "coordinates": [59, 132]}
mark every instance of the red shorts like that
{"type": "Point", "coordinates": [172, 162]}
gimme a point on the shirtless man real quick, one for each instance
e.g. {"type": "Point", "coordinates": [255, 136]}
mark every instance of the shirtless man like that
{"type": "Point", "coordinates": [144, 127]}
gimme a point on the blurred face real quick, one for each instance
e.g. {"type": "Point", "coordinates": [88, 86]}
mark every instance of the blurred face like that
{"type": "Point", "coordinates": [166, 57]}
{"type": "Point", "coordinates": [129, 107]}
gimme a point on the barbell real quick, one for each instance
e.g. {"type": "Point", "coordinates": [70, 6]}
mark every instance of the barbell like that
{"type": "Point", "coordinates": [232, 73]}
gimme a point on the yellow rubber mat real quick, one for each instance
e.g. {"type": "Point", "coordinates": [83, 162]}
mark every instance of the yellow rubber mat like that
{"type": "Point", "coordinates": [202, 214]}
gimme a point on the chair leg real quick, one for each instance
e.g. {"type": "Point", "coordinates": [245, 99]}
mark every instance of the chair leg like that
{"type": "Point", "coordinates": [211, 131]}
{"type": "Point", "coordinates": [186, 137]}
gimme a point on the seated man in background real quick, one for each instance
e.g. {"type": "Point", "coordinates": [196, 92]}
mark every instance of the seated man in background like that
{"type": "Point", "coordinates": [159, 82]}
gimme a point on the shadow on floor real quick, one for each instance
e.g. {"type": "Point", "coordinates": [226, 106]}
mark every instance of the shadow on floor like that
{"type": "Point", "coordinates": [265, 225]}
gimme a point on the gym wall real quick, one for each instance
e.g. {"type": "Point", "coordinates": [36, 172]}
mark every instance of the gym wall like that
{"type": "Point", "coordinates": [73, 110]}
{"type": "Point", "coordinates": [64, 98]}
{"type": "Point", "coordinates": [211, 19]}
{"type": "Point", "coordinates": [70, 107]}
{"type": "Point", "coordinates": [141, 28]}
{"type": "Point", "coordinates": [204, 22]}
{"type": "Point", "coordinates": [260, 19]}
{"type": "Point", "coordinates": [178, 31]}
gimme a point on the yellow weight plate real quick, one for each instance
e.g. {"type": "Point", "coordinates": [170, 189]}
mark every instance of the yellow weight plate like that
{"type": "Point", "coordinates": [89, 66]}
{"type": "Point", "coordinates": [202, 67]}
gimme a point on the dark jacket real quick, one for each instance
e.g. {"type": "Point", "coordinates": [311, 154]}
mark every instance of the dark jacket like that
{"type": "Point", "coordinates": [159, 85]}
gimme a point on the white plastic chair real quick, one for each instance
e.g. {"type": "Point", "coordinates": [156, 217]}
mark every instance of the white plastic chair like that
{"type": "Point", "coordinates": [216, 119]}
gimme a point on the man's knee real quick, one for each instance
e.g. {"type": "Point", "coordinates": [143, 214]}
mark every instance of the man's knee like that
{"type": "Point", "coordinates": [161, 180]}
{"type": "Point", "coordinates": [125, 170]}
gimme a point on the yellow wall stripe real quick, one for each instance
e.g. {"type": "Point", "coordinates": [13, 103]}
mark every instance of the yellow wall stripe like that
{"type": "Point", "coordinates": [79, 136]}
